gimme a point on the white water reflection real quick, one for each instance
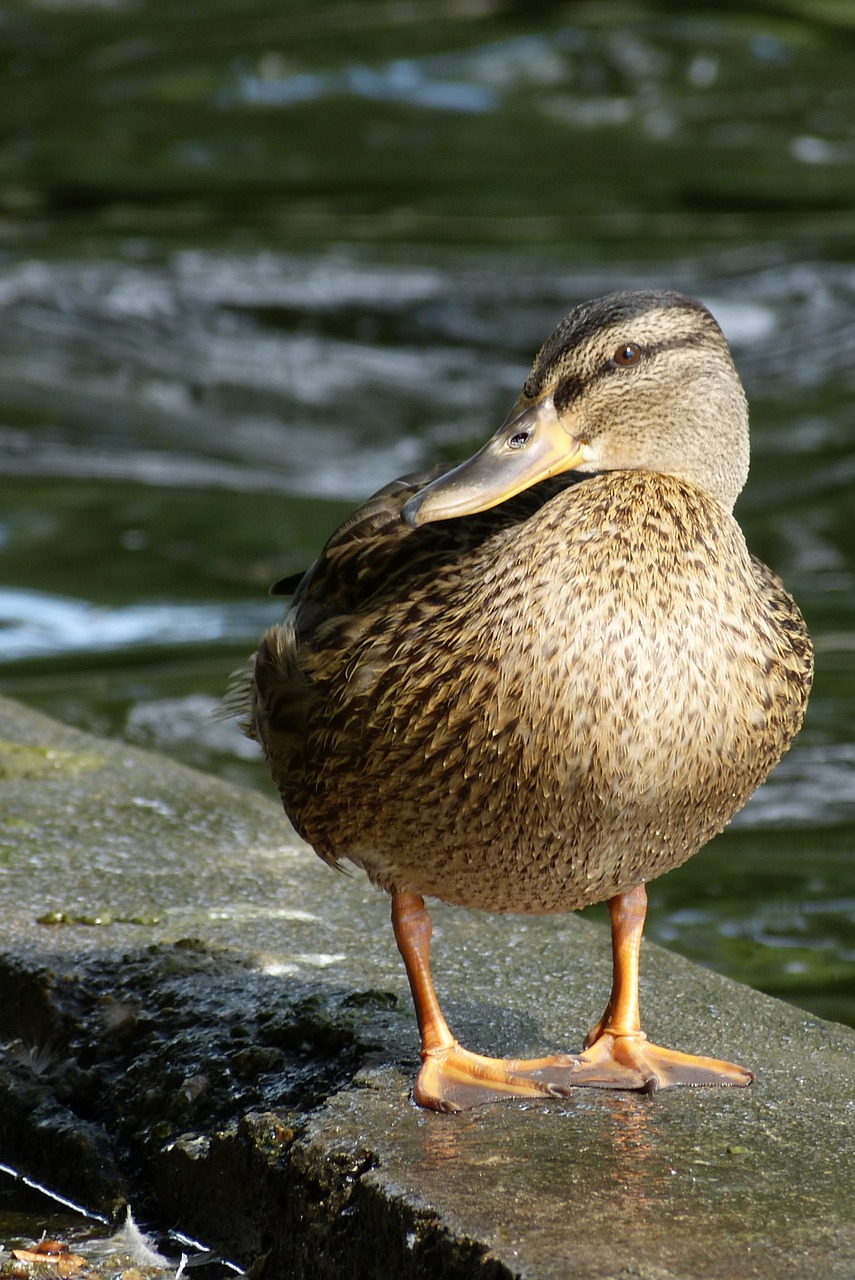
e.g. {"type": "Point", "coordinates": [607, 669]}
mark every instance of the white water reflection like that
{"type": "Point", "coordinates": [472, 81]}
{"type": "Point", "coordinates": [812, 786]}
{"type": "Point", "coordinates": [33, 623]}
{"type": "Point", "coordinates": [192, 726]}
{"type": "Point", "coordinates": [331, 375]}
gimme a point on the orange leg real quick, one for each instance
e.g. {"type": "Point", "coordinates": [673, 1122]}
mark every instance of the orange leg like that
{"type": "Point", "coordinates": [452, 1078]}
{"type": "Point", "coordinates": [617, 1053]}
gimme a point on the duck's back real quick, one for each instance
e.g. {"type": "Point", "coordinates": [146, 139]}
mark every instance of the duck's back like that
{"type": "Point", "coordinates": [538, 707]}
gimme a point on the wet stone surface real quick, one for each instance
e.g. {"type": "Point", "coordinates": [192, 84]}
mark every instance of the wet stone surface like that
{"type": "Point", "coordinates": [200, 1017]}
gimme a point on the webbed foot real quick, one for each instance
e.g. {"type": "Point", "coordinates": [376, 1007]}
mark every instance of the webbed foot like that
{"type": "Point", "coordinates": [453, 1079]}
{"type": "Point", "coordinates": [630, 1061]}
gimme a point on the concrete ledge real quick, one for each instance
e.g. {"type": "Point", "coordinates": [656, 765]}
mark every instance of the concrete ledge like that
{"type": "Point", "coordinates": [198, 1015]}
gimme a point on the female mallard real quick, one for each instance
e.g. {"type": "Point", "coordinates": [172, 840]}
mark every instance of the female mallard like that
{"type": "Point", "coordinates": [545, 676]}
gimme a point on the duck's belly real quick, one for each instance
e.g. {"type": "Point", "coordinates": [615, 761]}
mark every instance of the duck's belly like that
{"type": "Point", "coordinates": [553, 742]}
{"type": "Point", "coordinates": [549, 809]}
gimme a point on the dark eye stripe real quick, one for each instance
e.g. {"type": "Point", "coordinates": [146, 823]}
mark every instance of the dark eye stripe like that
{"type": "Point", "coordinates": [569, 390]}
{"type": "Point", "coordinates": [572, 388]}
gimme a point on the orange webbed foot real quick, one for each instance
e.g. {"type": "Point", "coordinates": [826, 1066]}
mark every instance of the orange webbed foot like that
{"type": "Point", "coordinates": [617, 1055]}
{"type": "Point", "coordinates": [454, 1079]}
{"type": "Point", "coordinates": [615, 1060]}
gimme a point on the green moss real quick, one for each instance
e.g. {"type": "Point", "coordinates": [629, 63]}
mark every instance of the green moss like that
{"type": "Point", "coordinates": [18, 761]}
{"type": "Point", "coordinates": [97, 918]}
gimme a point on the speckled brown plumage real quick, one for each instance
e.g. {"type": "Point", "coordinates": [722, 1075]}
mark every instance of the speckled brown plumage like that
{"type": "Point", "coordinates": [541, 717]}
{"type": "Point", "coordinates": [546, 703]}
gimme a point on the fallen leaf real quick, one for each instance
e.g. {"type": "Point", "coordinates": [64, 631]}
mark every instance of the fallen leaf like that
{"type": "Point", "coordinates": [53, 1253]}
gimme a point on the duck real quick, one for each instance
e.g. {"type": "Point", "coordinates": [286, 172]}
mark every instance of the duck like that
{"type": "Point", "coordinates": [544, 676]}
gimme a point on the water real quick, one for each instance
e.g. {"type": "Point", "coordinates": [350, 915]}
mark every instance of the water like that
{"type": "Point", "coordinates": [34, 1221]}
{"type": "Point", "coordinates": [257, 260]}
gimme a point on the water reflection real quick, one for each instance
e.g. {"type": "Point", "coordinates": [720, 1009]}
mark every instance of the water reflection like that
{"type": "Point", "coordinates": [813, 786]}
{"type": "Point", "coordinates": [34, 624]}
{"type": "Point", "coordinates": [403, 80]}
{"type": "Point", "coordinates": [78, 1241]}
{"type": "Point", "coordinates": [201, 372]}
{"type": "Point", "coordinates": [619, 1164]}
{"type": "Point", "coordinates": [634, 1174]}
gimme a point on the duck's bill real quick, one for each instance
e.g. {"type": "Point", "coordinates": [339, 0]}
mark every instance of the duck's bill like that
{"type": "Point", "coordinates": [530, 446]}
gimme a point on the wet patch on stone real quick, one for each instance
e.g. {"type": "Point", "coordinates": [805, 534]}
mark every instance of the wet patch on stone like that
{"type": "Point", "coordinates": [133, 1056]}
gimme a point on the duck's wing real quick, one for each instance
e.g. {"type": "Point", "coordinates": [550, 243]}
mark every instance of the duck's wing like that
{"type": "Point", "coordinates": [271, 686]}
{"type": "Point", "coordinates": [792, 654]}
{"type": "Point", "coordinates": [372, 559]}
{"type": "Point", "coordinates": [366, 554]}
{"type": "Point", "coordinates": [378, 513]}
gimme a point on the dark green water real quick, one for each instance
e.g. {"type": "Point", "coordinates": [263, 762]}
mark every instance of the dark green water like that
{"type": "Point", "coordinates": [256, 259]}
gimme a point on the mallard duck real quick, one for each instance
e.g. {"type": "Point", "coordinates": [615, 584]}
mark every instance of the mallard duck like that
{"type": "Point", "coordinates": [541, 678]}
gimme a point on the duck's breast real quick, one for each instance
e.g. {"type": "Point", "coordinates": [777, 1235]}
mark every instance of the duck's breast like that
{"type": "Point", "coordinates": [578, 706]}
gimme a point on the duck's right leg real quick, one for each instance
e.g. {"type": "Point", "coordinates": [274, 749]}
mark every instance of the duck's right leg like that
{"type": "Point", "coordinates": [451, 1078]}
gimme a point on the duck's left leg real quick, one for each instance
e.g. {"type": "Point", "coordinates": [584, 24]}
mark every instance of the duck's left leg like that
{"type": "Point", "coordinates": [617, 1053]}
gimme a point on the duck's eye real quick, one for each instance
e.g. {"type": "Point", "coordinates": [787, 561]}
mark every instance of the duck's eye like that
{"type": "Point", "coordinates": [627, 353]}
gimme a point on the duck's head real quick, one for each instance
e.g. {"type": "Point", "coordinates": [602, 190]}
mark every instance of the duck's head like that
{"type": "Point", "coordinates": [639, 380]}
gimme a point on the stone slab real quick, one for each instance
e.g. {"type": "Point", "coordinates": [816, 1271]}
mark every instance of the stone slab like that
{"type": "Point", "coordinates": [201, 1017]}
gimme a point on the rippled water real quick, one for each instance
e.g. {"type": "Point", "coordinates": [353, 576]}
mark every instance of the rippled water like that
{"type": "Point", "coordinates": [260, 262]}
